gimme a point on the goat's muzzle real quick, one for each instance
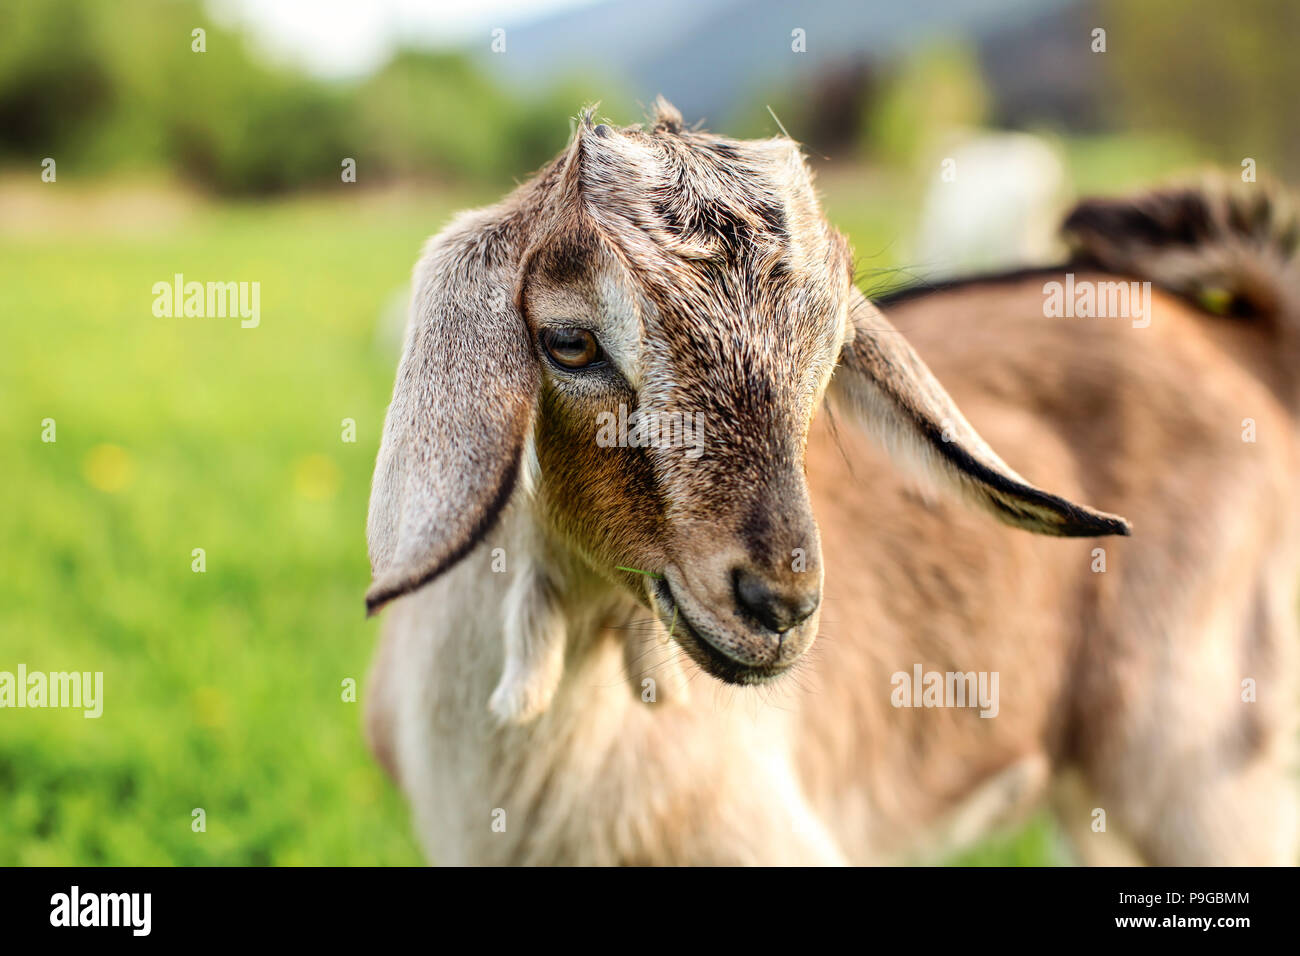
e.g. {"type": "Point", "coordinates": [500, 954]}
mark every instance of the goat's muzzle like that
{"type": "Point", "coordinates": [755, 635]}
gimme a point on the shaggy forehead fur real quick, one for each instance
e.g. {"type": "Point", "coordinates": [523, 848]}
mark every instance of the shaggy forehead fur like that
{"type": "Point", "coordinates": [684, 210]}
{"type": "Point", "coordinates": [738, 282]}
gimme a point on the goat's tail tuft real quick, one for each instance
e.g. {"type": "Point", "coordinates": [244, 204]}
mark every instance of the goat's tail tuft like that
{"type": "Point", "coordinates": [1229, 247]}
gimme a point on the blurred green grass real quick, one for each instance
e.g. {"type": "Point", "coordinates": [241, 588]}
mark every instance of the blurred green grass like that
{"type": "Point", "coordinates": [222, 690]}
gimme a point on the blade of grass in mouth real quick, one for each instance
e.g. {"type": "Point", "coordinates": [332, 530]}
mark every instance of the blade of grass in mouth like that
{"type": "Point", "coordinates": [651, 574]}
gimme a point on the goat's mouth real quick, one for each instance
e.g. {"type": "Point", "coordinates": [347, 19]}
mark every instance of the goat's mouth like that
{"type": "Point", "coordinates": [711, 658]}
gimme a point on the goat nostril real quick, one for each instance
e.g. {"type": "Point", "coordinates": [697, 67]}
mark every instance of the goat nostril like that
{"type": "Point", "coordinates": [774, 610]}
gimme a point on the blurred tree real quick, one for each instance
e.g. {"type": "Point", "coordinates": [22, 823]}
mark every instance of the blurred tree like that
{"type": "Point", "coordinates": [823, 112]}
{"type": "Point", "coordinates": [932, 92]}
{"type": "Point", "coordinates": [434, 112]}
{"type": "Point", "coordinates": [1226, 75]}
{"type": "Point", "coordinates": [118, 86]}
{"type": "Point", "coordinates": [104, 86]}
{"type": "Point", "coordinates": [52, 82]}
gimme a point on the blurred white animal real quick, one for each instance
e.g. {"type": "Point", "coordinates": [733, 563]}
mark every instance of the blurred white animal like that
{"type": "Point", "coordinates": [997, 202]}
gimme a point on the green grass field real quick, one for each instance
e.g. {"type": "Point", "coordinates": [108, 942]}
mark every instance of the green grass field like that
{"type": "Point", "coordinates": [222, 690]}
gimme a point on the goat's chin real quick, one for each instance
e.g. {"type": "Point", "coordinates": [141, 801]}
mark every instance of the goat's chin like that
{"type": "Point", "coordinates": [711, 659]}
{"type": "Point", "coordinates": [716, 664]}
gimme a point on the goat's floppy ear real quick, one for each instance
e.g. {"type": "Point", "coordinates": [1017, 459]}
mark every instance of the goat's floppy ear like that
{"type": "Point", "coordinates": [891, 391]}
{"type": "Point", "coordinates": [461, 408]}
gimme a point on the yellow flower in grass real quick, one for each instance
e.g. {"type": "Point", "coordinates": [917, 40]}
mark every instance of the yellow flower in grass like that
{"type": "Point", "coordinates": [108, 468]}
{"type": "Point", "coordinates": [209, 705]}
{"type": "Point", "coordinates": [316, 478]}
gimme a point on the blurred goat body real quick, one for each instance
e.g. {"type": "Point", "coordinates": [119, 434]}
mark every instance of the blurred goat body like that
{"type": "Point", "coordinates": [1146, 684]}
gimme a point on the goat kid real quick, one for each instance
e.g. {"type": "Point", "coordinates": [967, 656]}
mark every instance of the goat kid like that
{"type": "Point", "coordinates": [600, 653]}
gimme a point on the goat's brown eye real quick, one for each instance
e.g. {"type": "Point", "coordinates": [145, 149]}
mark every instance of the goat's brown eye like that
{"type": "Point", "coordinates": [571, 348]}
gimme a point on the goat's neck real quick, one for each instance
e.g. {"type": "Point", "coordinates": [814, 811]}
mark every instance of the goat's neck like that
{"type": "Point", "coordinates": [557, 613]}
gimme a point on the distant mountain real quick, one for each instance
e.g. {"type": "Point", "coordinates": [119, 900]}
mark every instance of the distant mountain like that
{"type": "Point", "coordinates": [709, 56]}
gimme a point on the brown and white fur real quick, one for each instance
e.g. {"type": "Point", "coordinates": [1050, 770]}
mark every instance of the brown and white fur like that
{"type": "Point", "coordinates": [527, 696]}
